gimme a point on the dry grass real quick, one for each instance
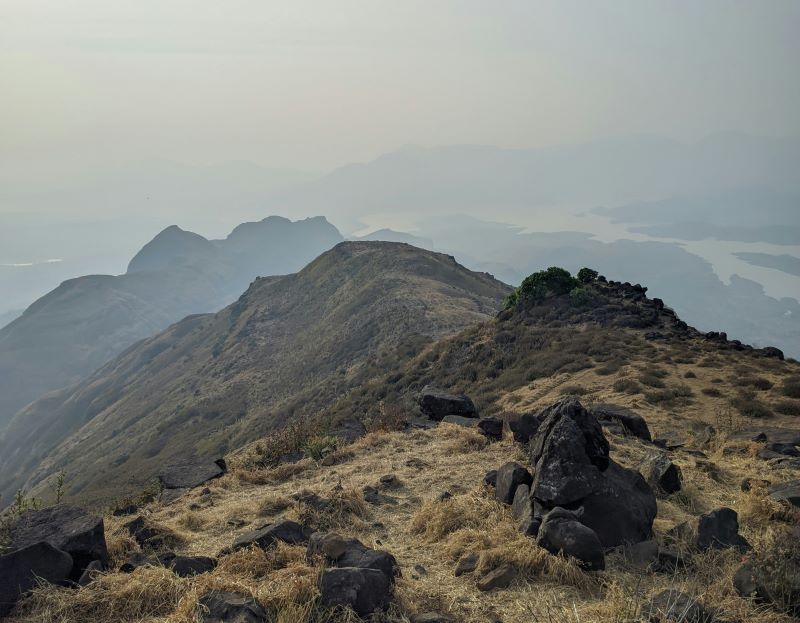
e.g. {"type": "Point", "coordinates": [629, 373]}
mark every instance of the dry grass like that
{"type": "Point", "coordinates": [461, 439]}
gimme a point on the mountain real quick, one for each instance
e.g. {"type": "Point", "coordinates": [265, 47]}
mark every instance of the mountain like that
{"type": "Point", "coordinates": [288, 347]}
{"type": "Point", "coordinates": [84, 322]}
{"type": "Point", "coordinates": [599, 395]}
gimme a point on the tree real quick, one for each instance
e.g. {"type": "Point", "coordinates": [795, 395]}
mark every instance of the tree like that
{"type": "Point", "coordinates": [587, 275]}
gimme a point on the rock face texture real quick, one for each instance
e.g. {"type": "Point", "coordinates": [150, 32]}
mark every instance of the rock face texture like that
{"type": "Point", "coordinates": [190, 474]}
{"type": "Point", "coordinates": [572, 469]}
{"type": "Point", "coordinates": [437, 404]}
{"type": "Point", "coordinates": [22, 569]}
{"type": "Point", "coordinates": [67, 528]}
{"type": "Point", "coordinates": [716, 529]}
{"type": "Point", "coordinates": [661, 473]}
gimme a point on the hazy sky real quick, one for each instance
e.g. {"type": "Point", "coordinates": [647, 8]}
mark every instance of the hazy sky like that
{"type": "Point", "coordinates": [316, 84]}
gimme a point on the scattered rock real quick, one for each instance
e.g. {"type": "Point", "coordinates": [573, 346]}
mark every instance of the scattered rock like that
{"type": "Point", "coordinates": [491, 427]}
{"type": "Point", "coordinates": [521, 505]}
{"type": "Point", "coordinates": [436, 404]}
{"type": "Point", "coordinates": [672, 606]}
{"type": "Point", "coordinates": [523, 426]}
{"type": "Point", "coordinates": [223, 607]}
{"type": "Point", "coordinates": [669, 440]}
{"type": "Point", "coordinates": [134, 561]}
{"type": "Point", "coordinates": [21, 570]}
{"type": "Point", "coordinates": [148, 535]}
{"type": "Point", "coordinates": [502, 577]}
{"type": "Point", "coordinates": [561, 532]}
{"type": "Point", "coordinates": [189, 474]}
{"type": "Point", "coordinates": [788, 492]}
{"type": "Point", "coordinates": [490, 479]}
{"type": "Point", "coordinates": [633, 423]}
{"type": "Point", "coordinates": [444, 495]}
{"type": "Point", "coordinates": [344, 552]}
{"type": "Point", "coordinates": [373, 496]}
{"type": "Point", "coordinates": [661, 473]}
{"type": "Point", "coordinates": [364, 590]}
{"type": "Point", "coordinates": [650, 556]}
{"type": "Point", "coordinates": [466, 564]}
{"type": "Point", "coordinates": [509, 477]}
{"type": "Point", "coordinates": [716, 529]}
{"type": "Point", "coordinates": [287, 531]}
{"type": "Point", "coordinates": [68, 528]}
{"type": "Point", "coordinates": [188, 566]}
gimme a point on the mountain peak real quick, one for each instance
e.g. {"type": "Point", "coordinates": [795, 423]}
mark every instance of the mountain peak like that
{"type": "Point", "coordinates": [171, 246]}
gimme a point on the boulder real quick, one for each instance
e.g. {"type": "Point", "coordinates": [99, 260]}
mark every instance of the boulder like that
{"type": "Point", "coordinates": [523, 426]}
{"type": "Point", "coordinates": [631, 422]}
{"type": "Point", "coordinates": [68, 528]}
{"type": "Point", "coordinates": [187, 566]}
{"type": "Point", "coordinates": [672, 606]}
{"type": "Point", "coordinates": [568, 454]}
{"type": "Point", "coordinates": [788, 492]}
{"type": "Point", "coordinates": [522, 505]}
{"type": "Point", "coordinates": [562, 532]}
{"type": "Point", "coordinates": [342, 552]}
{"type": "Point", "coordinates": [364, 590]}
{"type": "Point", "coordinates": [491, 427]}
{"type": "Point", "coordinates": [572, 469]}
{"type": "Point", "coordinates": [502, 577]}
{"type": "Point", "coordinates": [224, 607]}
{"type": "Point", "coordinates": [466, 564]}
{"type": "Point", "coordinates": [436, 404]}
{"type": "Point", "coordinates": [188, 474]}
{"type": "Point", "coordinates": [287, 531]}
{"type": "Point", "coordinates": [661, 473]}
{"type": "Point", "coordinates": [717, 529]}
{"type": "Point", "coordinates": [23, 568]}
{"type": "Point", "coordinates": [509, 477]}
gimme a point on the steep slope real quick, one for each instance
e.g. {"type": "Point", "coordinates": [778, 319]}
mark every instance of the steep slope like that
{"type": "Point", "coordinates": [289, 346]}
{"type": "Point", "coordinates": [84, 322]}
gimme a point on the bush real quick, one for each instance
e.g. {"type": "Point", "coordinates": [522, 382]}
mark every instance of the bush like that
{"type": "Point", "coordinates": [690, 375]}
{"type": "Point", "coordinates": [580, 296]}
{"type": "Point", "coordinates": [627, 386]}
{"type": "Point", "coordinates": [554, 281]}
{"type": "Point", "coordinates": [791, 387]}
{"type": "Point", "coordinates": [788, 407]}
{"type": "Point", "coordinates": [587, 275]}
{"type": "Point", "coordinates": [711, 391]}
{"type": "Point", "coordinates": [756, 382]}
{"type": "Point", "coordinates": [748, 406]}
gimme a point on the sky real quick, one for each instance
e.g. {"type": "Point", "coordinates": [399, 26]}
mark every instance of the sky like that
{"type": "Point", "coordinates": [88, 84]}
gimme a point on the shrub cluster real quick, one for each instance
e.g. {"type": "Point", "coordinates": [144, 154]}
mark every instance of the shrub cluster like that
{"type": "Point", "coordinates": [554, 281]}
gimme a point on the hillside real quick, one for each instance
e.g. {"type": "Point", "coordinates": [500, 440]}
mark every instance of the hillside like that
{"type": "Point", "coordinates": [210, 383]}
{"type": "Point", "coordinates": [721, 413]}
{"type": "Point", "coordinates": [83, 323]}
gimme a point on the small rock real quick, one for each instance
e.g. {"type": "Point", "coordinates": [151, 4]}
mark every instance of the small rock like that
{"type": "Point", "coordinates": [91, 571]}
{"type": "Point", "coordinates": [466, 564]}
{"type": "Point", "coordinates": [788, 492]}
{"type": "Point", "coordinates": [372, 496]}
{"type": "Point", "coordinates": [491, 427]}
{"type": "Point", "coordinates": [632, 423]}
{"type": "Point", "coordinates": [490, 479]}
{"type": "Point", "coordinates": [661, 473]}
{"type": "Point", "coordinates": [671, 605]}
{"type": "Point", "coordinates": [188, 566]}
{"type": "Point", "coordinates": [287, 531]}
{"type": "Point", "coordinates": [502, 577]}
{"type": "Point", "coordinates": [716, 529]}
{"type": "Point", "coordinates": [523, 426]}
{"type": "Point", "coordinates": [561, 532]}
{"type": "Point", "coordinates": [750, 483]}
{"type": "Point", "coordinates": [223, 607]}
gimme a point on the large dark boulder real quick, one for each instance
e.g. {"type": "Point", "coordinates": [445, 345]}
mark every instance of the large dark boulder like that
{"type": "Point", "coordinates": [68, 528]}
{"type": "Point", "coordinates": [509, 477]}
{"type": "Point", "coordinates": [287, 531]}
{"type": "Point", "coordinates": [223, 607]}
{"type": "Point", "coordinates": [622, 507]}
{"type": "Point", "coordinates": [661, 473]}
{"type": "Point", "coordinates": [562, 532]}
{"type": "Point", "coordinates": [188, 474]}
{"type": "Point", "coordinates": [568, 454]}
{"type": "Point", "coordinates": [572, 469]}
{"type": "Point", "coordinates": [364, 590]}
{"type": "Point", "coordinates": [343, 552]}
{"type": "Point", "coordinates": [436, 404]}
{"type": "Point", "coordinates": [633, 423]}
{"type": "Point", "coordinates": [22, 569]}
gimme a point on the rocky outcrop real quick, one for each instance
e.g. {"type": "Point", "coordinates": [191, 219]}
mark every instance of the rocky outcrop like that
{"type": "Point", "coordinates": [24, 568]}
{"type": "Point", "coordinates": [67, 528]}
{"type": "Point", "coordinates": [570, 457]}
{"type": "Point", "coordinates": [436, 404]}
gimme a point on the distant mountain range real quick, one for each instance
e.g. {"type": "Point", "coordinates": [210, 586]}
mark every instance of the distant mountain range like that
{"type": "Point", "coordinates": [213, 382]}
{"type": "Point", "coordinates": [84, 322]}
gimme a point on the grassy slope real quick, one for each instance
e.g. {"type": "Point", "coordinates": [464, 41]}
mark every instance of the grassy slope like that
{"type": "Point", "coordinates": [211, 383]}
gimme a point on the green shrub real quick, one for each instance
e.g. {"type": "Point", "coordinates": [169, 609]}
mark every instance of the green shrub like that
{"type": "Point", "coordinates": [587, 275]}
{"type": "Point", "coordinates": [554, 281]}
{"type": "Point", "coordinates": [580, 296]}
